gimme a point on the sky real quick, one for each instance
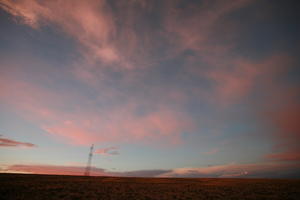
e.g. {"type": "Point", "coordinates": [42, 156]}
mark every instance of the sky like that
{"type": "Point", "coordinates": [172, 88]}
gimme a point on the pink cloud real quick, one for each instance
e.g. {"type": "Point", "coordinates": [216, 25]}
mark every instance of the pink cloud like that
{"type": "Point", "coordinates": [259, 170]}
{"type": "Point", "coordinates": [233, 84]}
{"type": "Point", "coordinates": [102, 40]}
{"type": "Point", "coordinates": [286, 156]}
{"type": "Point", "coordinates": [195, 29]}
{"type": "Point", "coordinates": [286, 119]}
{"type": "Point", "coordinates": [236, 170]}
{"type": "Point", "coordinates": [235, 79]}
{"type": "Point", "coordinates": [77, 171]}
{"type": "Point", "coordinates": [92, 25]}
{"type": "Point", "coordinates": [89, 22]}
{"type": "Point", "coordinates": [107, 151]}
{"type": "Point", "coordinates": [86, 125]}
{"type": "Point", "coordinates": [283, 115]}
{"type": "Point", "coordinates": [5, 142]}
{"type": "Point", "coordinates": [120, 125]}
{"type": "Point", "coordinates": [71, 133]}
{"type": "Point", "coordinates": [278, 107]}
{"type": "Point", "coordinates": [54, 169]}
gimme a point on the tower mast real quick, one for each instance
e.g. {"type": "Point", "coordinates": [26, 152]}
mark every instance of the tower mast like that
{"type": "Point", "coordinates": [88, 166]}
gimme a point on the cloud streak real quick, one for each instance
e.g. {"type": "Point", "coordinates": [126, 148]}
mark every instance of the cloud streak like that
{"type": "Point", "coordinates": [107, 151]}
{"type": "Point", "coordinates": [5, 142]}
{"type": "Point", "coordinates": [259, 170]}
{"type": "Point", "coordinates": [54, 169]}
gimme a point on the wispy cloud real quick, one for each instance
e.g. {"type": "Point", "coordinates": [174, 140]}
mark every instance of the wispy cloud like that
{"type": "Point", "coordinates": [84, 126]}
{"type": "Point", "coordinates": [89, 22]}
{"type": "Point", "coordinates": [5, 142]}
{"type": "Point", "coordinates": [107, 151]}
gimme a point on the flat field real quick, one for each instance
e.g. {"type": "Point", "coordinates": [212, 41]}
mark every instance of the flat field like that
{"type": "Point", "coordinates": [44, 187]}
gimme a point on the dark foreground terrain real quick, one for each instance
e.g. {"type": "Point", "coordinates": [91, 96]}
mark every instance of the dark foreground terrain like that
{"type": "Point", "coordinates": [20, 186]}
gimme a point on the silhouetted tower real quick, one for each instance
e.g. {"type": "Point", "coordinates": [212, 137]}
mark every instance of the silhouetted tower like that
{"type": "Point", "coordinates": [88, 166]}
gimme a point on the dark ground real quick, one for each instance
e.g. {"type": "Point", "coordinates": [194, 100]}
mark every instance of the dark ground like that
{"type": "Point", "coordinates": [44, 187]}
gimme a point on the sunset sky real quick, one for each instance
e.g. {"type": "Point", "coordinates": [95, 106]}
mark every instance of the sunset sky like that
{"type": "Point", "coordinates": [166, 88]}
